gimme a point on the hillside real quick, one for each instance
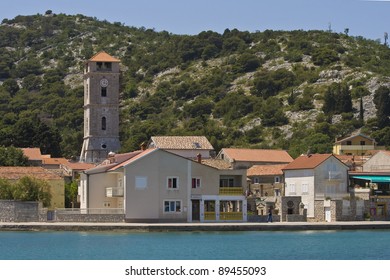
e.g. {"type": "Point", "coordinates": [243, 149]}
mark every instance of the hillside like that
{"type": "Point", "coordinates": [273, 89]}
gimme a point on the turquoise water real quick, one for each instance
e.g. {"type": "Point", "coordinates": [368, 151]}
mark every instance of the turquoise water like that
{"type": "Point", "coordinates": [303, 245]}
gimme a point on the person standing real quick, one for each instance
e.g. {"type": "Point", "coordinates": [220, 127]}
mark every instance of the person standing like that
{"type": "Point", "coordinates": [269, 220]}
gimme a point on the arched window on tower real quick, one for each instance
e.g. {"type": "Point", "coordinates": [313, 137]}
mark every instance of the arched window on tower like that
{"type": "Point", "coordinates": [104, 123]}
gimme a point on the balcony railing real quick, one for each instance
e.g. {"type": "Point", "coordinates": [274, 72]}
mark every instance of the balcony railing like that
{"type": "Point", "coordinates": [230, 216]}
{"type": "Point", "coordinates": [114, 192]}
{"type": "Point", "coordinates": [209, 216]}
{"type": "Point", "coordinates": [357, 147]}
{"type": "Point", "coordinates": [231, 191]}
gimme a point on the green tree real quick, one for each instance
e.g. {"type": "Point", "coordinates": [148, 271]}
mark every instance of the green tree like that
{"type": "Point", "coordinates": [71, 191]}
{"type": "Point", "coordinates": [6, 190]}
{"type": "Point", "coordinates": [382, 103]}
{"type": "Point", "coordinates": [11, 156]}
{"type": "Point", "coordinates": [32, 189]}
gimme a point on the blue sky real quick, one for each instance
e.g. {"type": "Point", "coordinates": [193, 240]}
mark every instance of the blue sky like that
{"type": "Point", "coordinates": [369, 19]}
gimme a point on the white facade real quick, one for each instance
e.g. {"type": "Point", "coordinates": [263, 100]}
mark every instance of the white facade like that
{"type": "Point", "coordinates": [161, 186]}
{"type": "Point", "coordinates": [328, 180]}
{"type": "Point", "coordinates": [380, 162]}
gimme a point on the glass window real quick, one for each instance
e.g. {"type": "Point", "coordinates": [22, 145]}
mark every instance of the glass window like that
{"type": "Point", "coordinates": [173, 183]}
{"type": "Point", "coordinates": [172, 206]}
{"type": "Point", "coordinates": [195, 183]}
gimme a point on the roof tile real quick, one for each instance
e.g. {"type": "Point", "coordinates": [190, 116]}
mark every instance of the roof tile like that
{"type": "Point", "coordinates": [258, 155]}
{"type": "Point", "coordinates": [307, 161]}
{"type": "Point", "coordinates": [181, 143]}
{"type": "Point", "coordinates": [103, 57]}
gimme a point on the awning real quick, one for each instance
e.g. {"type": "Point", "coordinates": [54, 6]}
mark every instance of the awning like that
{"type": "Point", "coordinates": [373, 179]}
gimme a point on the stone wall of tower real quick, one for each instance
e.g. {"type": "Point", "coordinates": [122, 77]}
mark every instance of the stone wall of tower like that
{"type": "Point", "coordinates": [101, 110]}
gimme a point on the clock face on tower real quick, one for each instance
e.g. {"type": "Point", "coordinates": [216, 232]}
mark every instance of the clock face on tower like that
{"type": "Point", "coordinates": [104, 82]}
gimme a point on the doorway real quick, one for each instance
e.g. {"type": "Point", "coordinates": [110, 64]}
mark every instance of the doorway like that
{"type": "Point", "coordinates": [195, 210]}
{"type": "Point", "coordinates": [328, 215]}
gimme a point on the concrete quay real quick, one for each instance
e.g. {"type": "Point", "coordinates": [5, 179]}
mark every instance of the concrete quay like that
{"type": "Point", "coordinates": [177, 227]}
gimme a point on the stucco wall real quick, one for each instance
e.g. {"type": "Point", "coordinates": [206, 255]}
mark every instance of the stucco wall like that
{"type": "Point", "coordinates": [379, 162]}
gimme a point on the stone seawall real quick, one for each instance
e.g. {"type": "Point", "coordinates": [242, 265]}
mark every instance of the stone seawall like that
{"type": "Point", "coordinates": [185, 227]}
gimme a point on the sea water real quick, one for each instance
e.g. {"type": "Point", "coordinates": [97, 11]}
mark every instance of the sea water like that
{"type": "Point", "coordinates": [269, 245]}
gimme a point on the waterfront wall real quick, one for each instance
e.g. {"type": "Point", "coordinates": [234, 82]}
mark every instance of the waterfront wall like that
{"type": "Point", "coordinates": [19, 211]}
{"type": "Point", "coordinates": [89, 218]}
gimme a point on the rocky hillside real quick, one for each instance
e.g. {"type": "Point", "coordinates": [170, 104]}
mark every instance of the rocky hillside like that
{"type": "Point", "coordinates": [271, 89]}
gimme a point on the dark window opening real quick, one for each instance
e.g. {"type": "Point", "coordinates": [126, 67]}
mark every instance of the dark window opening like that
{"type": "Point", "coordinates": [362, 143]}
{"type": "Point", "coordinates": [349, 143]}
{"type": "Point", "coordinates": [104, 123]}
{"type": "Point", "coordinates": [104, 92]}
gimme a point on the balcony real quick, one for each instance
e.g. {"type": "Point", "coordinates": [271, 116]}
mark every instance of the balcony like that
{"type": "Point", "coordinates": [114, 192]}
{"type": "Point", "coordinates": [209, 216]}
{"type": "Point", "coordinates": [231, 216]}
{"type": "Point", "coordinates": [346, 148]}
{"type": "Point", "coordinates": [231, 191]}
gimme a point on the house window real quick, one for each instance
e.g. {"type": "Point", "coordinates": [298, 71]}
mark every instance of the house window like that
{"type": "Point", "coordinates": [104, 123]}
{"type": "Point", "coordinates": [349, 143]}
{"type": "Point", "coordinates": [103, 91]}
{"type": "Point", "coordinates": [141, 182]}
{"type": "Point", "coordinates": [291, 188]}
{"type": "Point", "coordinates": [172, 206]}
{"type": "Point", "coordinates": [305, 188]}
{"type": "Point", "coordinates": [256, 180]}
{"type": "Point", "coordinates": [362, 143]}
{"type": "Point", "coordinates": [226, 182]}
{"type": "Point", "coordinates": [277, 179]}
{"type": "Point", "coordinates": [196, 183]}
{"type": "Point", "coordinates": [173, 183]}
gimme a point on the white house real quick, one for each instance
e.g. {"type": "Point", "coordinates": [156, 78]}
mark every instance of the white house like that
{"type": "Point", "coordinates": [379, 162]}
{"type": "Point", "coordinates": [316, 177]}
{"type": "Point", "coordinates": [158, 186]}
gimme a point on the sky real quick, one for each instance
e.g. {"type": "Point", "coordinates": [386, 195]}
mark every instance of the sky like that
{"type": "Point", "coordinates": [369, 19]}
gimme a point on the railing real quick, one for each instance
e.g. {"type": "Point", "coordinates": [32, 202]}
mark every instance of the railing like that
{"type": "Point", "coordinates": [78, 211]}
{"type": "Point", "coordinates": [334, 196]}
{"type": "Point", "coordinates": [231, 191]}
{"type": "Point", "coordinates": [209, 216]}
{"type": "Point", "coordinates": [231, 216]}
{"type": "Point", "coordinates": [114, 192]}
{"type": "Point", "coordinates": [357, 147]}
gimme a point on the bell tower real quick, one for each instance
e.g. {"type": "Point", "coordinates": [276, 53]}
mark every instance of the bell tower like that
{"type": "Point", "coordinates": [101, 108]}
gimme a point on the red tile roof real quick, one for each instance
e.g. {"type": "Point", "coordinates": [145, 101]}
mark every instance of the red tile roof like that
{"type": "Point", "coordinates": [131, 160]}
{"type": "Point", "coordinates": [15, 173]}
{"type": "Point", "coordinates": [307, 161]}
{"type": "Point", "coordinates": [353, 136]}
{"type": "Point", "coordinates": [103, 57]}
{"type": "Point", "coordinates": [78, 165]}
{"type": "Point", "coordinates": [266, 170]}
{"type": "Point", "coordinates": [32, 153]}
{"type": "Point", "coordinates": [54, 161]}
{"type": "Point", "coordinates": [258, 155]}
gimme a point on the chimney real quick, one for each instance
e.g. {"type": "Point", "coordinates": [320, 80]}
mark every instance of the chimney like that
{"type": "Point", "coordinates": [143, 146]}
{"type": "Point", "coordinates": [199, 158]}
{"type": "Point", "coordinates": [111, 157]}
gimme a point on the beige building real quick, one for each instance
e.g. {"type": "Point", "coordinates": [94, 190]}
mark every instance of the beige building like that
{"type": "Point", "coordinates": [158, 186]}
{"type": "Point", "coordinates": [317, 177]}
{"type": "Point", "coordinates": [357, 145]}
{"type": "Point", "coordinates": [57, 184]}
{"type": "Point", "coordinates": [101, 108]}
